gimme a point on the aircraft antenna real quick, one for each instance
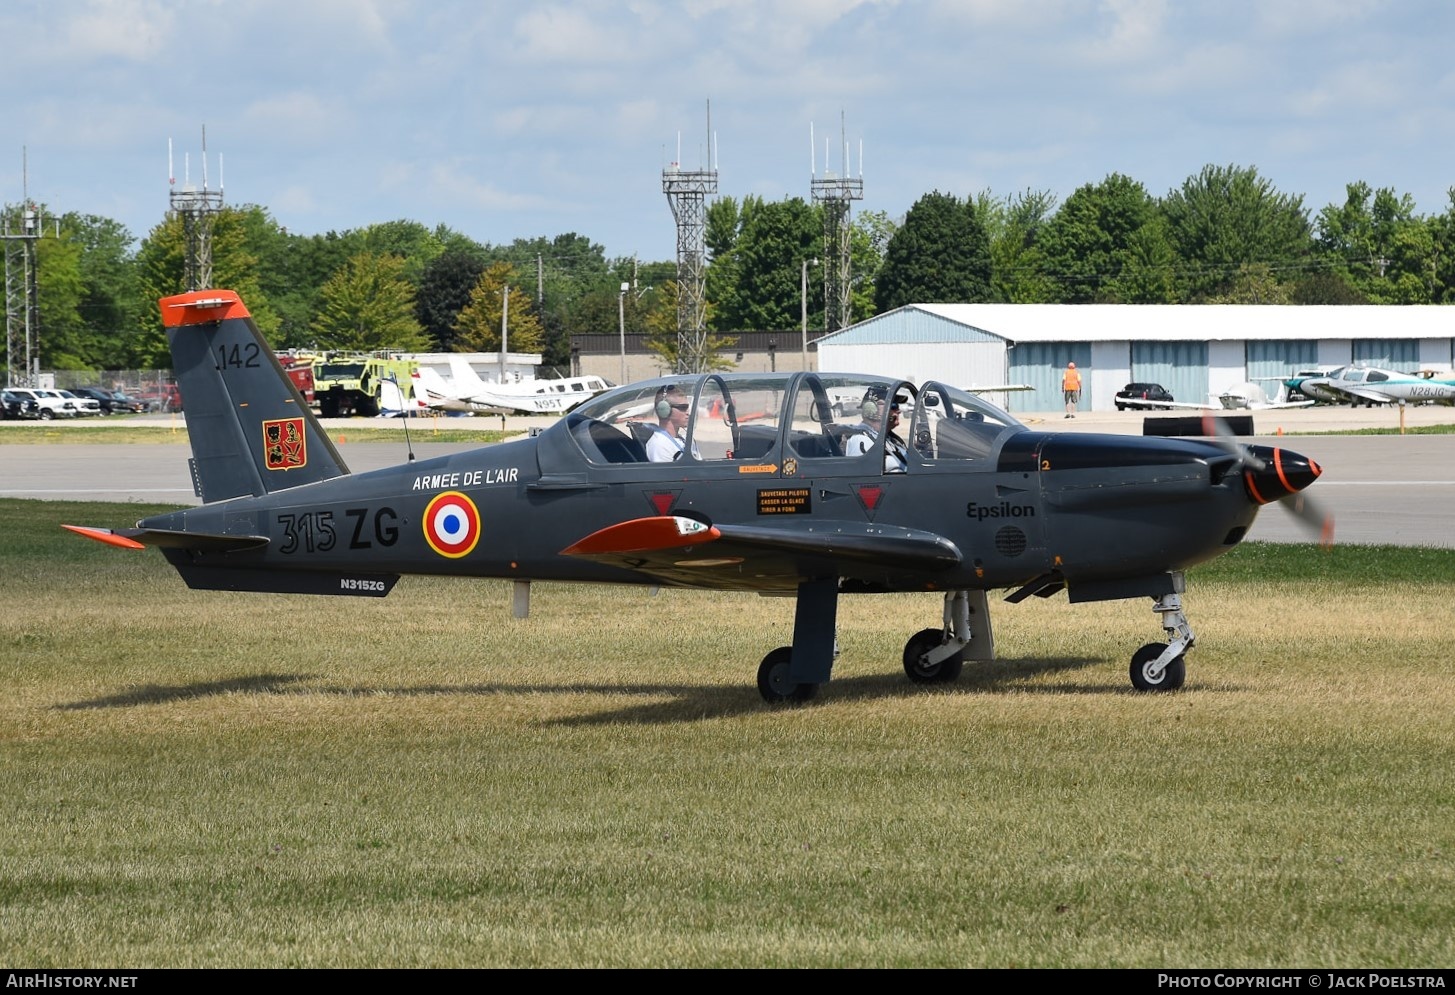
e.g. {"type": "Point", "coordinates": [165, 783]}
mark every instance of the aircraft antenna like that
{"type": "Point", "coordinates": [405, 414]}
{"type": "Point", "coordinates": [197, 209]}
{"type": "Point", "coordinates": [835, 192]}
{"type": "Point", "coordinates": [687, 192]}
{"type": "Point", "coordinates": [20, 229]}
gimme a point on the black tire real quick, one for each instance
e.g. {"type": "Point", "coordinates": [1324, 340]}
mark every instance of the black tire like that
{"type": "Point", "coordinates": [46, 414]}
{"type": "Point", "coordinates": [919, 644]}
{"type": "Point", "coordinates": [1171, 678]}
{"type": "Point", "coordinates": [773, 682]}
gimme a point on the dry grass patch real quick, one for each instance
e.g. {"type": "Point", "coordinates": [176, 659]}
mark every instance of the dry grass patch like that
{"type": "Point", "coordinates": [195, 779]}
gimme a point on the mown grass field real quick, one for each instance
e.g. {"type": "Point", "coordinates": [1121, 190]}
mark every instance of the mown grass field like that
{"type": "Point", "coordinates": [195, 779]}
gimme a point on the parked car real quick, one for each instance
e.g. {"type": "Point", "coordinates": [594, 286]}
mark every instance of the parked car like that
{"type": "Point", "coordinates": [49, 403]}
{"type": "Point", "coordinates": [13, 407]}
{"type": "Point", "coordinates": [1141, 392]}
{"type": "Point", "coordinates": [85, 406]}
{"type": "Point", "coordinates": [112, 402]}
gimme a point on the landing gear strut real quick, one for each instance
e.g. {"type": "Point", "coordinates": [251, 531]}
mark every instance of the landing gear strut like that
{"type": "Point", "coordinates": [935, 656]}
{"type": "Point", "coordinates": [1161, 666]}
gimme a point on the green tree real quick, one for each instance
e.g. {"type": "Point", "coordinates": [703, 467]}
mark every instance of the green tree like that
{"type": "Point", "coordinates": [444, 291]}
{"type": "Point", "coordinates": [1225, 217]}
{"type": "Point", "coordinates": [1379, 245]}
{"type": "Point", "coordinates": [869, 235]}
{"type": "Point", "coordinates": [110, 301]}
{"type": "Point", "coordinates": [368, 306]}
{"type": "Point", "coordinates": [161, 263]}
{"type": "Point", "coordinates": [940, 254]}
{"type": "Point", "coordinates": [1089, 241]}
{"type": "Point", "coordinates": [660, 323]}
{"type": "Point", "coordinates": [62, 339]}
{"type": "Point", "coordinates": [1147, 267]}
{"type": "Point", "coordinates": [1442, 263]}
{"type": "Point", "coordinates": [767, 264]}
{"type": "Point", "coordinates": [478, 327]}
{"type": "Point", "coordinates": [1017, 262]}
{"type": "Point", "coordinates": [1254, 283]}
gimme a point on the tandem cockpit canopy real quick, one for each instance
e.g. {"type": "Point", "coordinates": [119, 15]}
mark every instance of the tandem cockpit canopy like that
{"type": "Point", "coordinates": [772, 418]}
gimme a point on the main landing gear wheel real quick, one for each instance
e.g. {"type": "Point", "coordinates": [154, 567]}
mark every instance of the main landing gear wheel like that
{"type": "Point", "coordinates": [773, 682]}
{"type": "Point", "coordinates": [922, 672]}
{"type": "Point", "coordinates": [1171, 677]}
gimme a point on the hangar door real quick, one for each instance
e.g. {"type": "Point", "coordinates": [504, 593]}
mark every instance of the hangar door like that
{"type": "Point", "coordinates": [1391, 354]}
{"type": "Point", "coordinates": [1181, 367]}
{"type": "Point", "coordinates": [1279, 360]}
{"type": "Point", "coordinates": [1041, 364]}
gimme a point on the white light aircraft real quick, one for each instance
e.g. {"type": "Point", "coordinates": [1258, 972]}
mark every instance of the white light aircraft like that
{"type": "Point", "coordinates": [1373, 385]}
{"type": "Point", "coordinates": [1238, 397]}
{"type": "Point", "coordinates": [465, 391]}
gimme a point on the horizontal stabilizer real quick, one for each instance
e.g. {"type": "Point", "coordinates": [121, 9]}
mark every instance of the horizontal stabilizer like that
{"type": "Point", "coordinates": [201, 542]}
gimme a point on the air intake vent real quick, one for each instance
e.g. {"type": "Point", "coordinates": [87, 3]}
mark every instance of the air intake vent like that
{"type": "Point", "coordinates": [1010, 541]}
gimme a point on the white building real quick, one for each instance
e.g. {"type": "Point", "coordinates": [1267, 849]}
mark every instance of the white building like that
{"type": "Point", "coordinates": [1196, 351]}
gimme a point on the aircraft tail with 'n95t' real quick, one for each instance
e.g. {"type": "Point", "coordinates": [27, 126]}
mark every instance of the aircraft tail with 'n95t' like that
{"type": "Point", "coordinates": [815, 485]}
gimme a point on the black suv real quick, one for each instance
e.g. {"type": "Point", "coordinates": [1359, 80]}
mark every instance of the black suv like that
{"type": "Point", "coordinates": [1141, 392]}
{"type": "Point", "coordinates": [111, 401]}
{"type": "Point", "coordinates": [13, 406]}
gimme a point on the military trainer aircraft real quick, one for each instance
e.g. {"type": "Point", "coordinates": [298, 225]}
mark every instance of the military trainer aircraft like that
{"type": "Point", "coordinates": [760, 499]}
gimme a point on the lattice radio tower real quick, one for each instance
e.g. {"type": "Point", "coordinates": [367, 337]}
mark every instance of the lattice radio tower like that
{"type": "Point", "coordinates": [20, 230]}
{"type": "Point", "coordinates": [687, 192]}
{"type": "Point", "coordinates": [197, 208]}
{"type": "Point", "coordinates": [835, 193]}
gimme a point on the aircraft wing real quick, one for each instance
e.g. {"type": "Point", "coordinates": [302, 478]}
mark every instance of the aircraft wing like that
{"type": "Point", "coordinates": [1364, 394]}
{"type": "Point", "coordinates": [998, 388]}
{"type": "Point", "coordinates": [686, 552]}
{"type": "Point", "coordinates": [1138, 402]}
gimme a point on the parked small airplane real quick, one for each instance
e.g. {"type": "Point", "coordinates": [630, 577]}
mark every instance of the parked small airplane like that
{"type": "Point", "coordinates": [762, 500]}
{"type": "Point", "coordinates": [1251, 397]}
{"type": "Point", "coordinates": [1239, 397]}
{"type": "Point", "coordinates": [465, 391]}
{"type": "Point", "coordinates": [1373, 385]}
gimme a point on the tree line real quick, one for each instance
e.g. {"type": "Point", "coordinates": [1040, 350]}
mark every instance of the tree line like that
{"type": "Point", "coordinates": [1226, 235]}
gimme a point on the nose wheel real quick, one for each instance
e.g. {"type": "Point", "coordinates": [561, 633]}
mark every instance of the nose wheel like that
{"type": "Point", "coordinates": [1147, 676]}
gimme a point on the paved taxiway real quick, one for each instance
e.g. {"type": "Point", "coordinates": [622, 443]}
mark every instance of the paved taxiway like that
{"type": "Point", "coordinates": [1397, 489]}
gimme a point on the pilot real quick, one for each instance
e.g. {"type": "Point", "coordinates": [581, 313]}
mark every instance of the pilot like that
{"type": "Point", "coordinates": [671, 407]}
{"type": "Point", "coordinates": [863, 436]}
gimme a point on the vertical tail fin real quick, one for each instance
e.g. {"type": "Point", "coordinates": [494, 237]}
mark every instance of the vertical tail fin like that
{"type": "Point", "coordinates": [252, 433]}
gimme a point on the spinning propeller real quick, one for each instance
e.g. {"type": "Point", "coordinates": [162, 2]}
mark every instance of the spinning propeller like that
{"type": "Point", "coordinates": [1273, 474]}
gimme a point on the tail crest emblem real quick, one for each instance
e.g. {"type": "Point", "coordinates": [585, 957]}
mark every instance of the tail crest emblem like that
{"type": "Point", "coordinates": [285, 446]}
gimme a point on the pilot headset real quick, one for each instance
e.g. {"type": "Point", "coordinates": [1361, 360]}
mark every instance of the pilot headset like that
{"type": "Point", "coordinates": [664, 406]}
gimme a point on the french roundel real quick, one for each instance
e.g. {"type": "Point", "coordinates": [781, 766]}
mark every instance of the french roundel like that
{"type": "Point", "coordinates": [451, 524]}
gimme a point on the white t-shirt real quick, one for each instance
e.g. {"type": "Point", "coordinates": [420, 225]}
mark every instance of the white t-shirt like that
{"type": "Point", "coordinates": [664, 447]}
{"type": "Point", "coordinates": [863, 440]}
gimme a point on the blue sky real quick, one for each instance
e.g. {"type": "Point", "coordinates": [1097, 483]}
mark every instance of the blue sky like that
{"type": "Point", "coordinates": [516, 120]}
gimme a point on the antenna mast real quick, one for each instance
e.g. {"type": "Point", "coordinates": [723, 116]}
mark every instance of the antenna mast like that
{"type": "Point", "coordinates": [197, 208]}
{"type": "Point", "coordinates": [687, 192]}
{"type": "Point", "coordinates": [836, 193]}
{"type": "Point", "coordinates": [20, 231]}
